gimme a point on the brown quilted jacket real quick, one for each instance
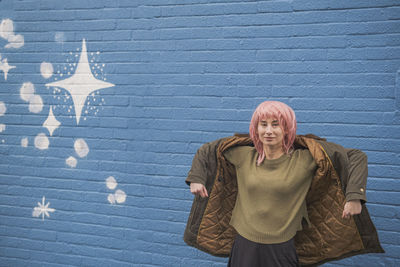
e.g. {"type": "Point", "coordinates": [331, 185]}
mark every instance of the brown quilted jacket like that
{"type": "Point", "coordinates": [341, 176]}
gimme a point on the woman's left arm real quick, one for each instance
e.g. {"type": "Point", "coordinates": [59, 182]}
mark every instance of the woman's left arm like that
{"type": "Point", "coordinates": [356, 184]}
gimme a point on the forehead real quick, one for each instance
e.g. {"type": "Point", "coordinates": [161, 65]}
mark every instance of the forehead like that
{"type": "Point", "coordinates": [271, 119]}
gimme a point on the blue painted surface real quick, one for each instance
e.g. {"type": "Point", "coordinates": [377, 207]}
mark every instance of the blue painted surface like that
{"type": "Point", "coordinates": [185, 73]}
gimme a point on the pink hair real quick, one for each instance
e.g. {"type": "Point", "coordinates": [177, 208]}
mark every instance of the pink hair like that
{"type": "Point", "coordinates": [287, 121]}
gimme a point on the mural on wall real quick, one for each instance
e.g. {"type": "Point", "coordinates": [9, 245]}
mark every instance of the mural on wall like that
{"type": "Point", "coordinates": [7, 33]}
{"type": "Point", "coordinates": [82, 83]}
{"type": "Point", "coordinates": [79, 80]}
{"type": "Point", "coordinates": [42, 209]}
{"type": "Point", "coordinates": [13, 41]}
{"type": "Point", "coordinates": [119, 196]}
{"type": "Point", "coordinates": [5, 67]}
{"type": "Point", "coordinates": [51, 123]}
{"type": "Point", "coordinates": [2, 112]}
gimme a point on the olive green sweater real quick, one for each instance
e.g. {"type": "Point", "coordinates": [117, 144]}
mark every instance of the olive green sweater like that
{"type": "Point", "coordinates": [270, 204]}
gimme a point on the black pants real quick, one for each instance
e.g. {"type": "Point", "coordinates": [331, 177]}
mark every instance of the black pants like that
{"type": "Point", "coordinates": [246, 253]}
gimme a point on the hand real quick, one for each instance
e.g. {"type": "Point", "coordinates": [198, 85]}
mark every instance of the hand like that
{"type": "Point", "coordinates": [351, 207]}
{"type": "Point", "coordinates": [198, 189]}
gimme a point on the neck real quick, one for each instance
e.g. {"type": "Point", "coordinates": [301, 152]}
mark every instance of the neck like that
{"type": "Point", "coordinates": [273, 152]}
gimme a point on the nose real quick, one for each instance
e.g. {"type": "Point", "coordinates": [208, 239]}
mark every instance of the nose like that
{"type": "Point", "coordinates": [268, 130]}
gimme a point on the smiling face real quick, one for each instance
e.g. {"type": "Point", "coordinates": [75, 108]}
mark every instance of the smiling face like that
{"type": "Point", "coordinates": [270, 133]}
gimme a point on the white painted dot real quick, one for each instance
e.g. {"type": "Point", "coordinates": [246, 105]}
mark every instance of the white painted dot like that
{"type": "Point", "coordinates": [111, 198]}
{"type": "Point", "coordinates": [120, 196]}
{"type": "Point", "coordinates": [26, 91]}
{"type": "Point", "coordinates": [24, 142]}
{"type": "Point", "coordinates": [6, 28]}
{"type": "Point", "coordinates": [35, 104]}
{"type": "Point", "coordinates": [111, 183]}
{"type": "Point", "coordinates": [46, 69]}
{"type": "Point", "coordinates": [3, 108]}
{"type": "Point", "coordinates": [71, 161]}
{"type": "Point", "coordinates": [81, 148]}
{"type": "Point", "coordinates": [41, 141]}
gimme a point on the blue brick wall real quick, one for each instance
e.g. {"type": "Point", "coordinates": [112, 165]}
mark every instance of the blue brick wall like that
{"type": "Point", "coordinates": [178, 74]}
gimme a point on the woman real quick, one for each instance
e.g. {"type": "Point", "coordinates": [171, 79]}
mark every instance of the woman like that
{"type": "Point", "coordinates": [273, 180]}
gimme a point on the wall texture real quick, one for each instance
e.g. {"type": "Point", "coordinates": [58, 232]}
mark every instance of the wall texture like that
{"type": "Point", "coordinates": [104, 103]}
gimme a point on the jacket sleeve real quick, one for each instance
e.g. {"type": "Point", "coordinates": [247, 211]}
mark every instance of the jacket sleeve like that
{"type": "Point", "coordinates": [352, 168]}
{"type": "Point", "coordinates": [198, 171]}
{"type": "Point", "coordinates": [357, 175]}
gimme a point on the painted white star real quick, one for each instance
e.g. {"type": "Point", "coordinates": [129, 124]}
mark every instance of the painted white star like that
{"type": "Point", "coordinates": [51, 123]}
{"type": "Point", "coordinates": [82, 83]}
{"type": "Point", "coordinates": [5, 67]}
{"type": "Point", "coordinates": [42, 209]}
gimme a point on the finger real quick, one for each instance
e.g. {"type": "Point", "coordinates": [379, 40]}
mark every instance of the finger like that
{"type": "Point", "coordinates": [194, 191]}
{"type": "Point", "coordinates": [346, 214]}
{"type": "Point", "coordinates": [205, 192]}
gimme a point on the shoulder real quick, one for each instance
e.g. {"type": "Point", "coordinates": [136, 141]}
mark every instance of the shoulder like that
{"type": "Point", "coordinates": [302, 153]}
{"type": "Point", "coordinates": [236, 154]}
{"type": "Point", "coordinates": [304, 156]}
